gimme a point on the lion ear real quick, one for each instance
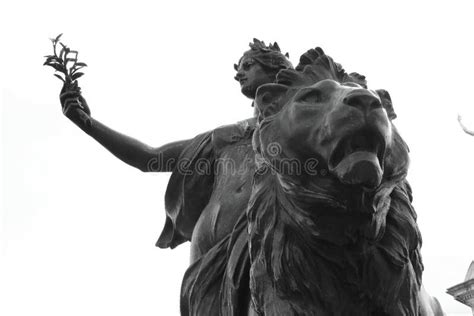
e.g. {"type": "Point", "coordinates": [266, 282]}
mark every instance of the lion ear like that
{"type": "Point", "coordinates": [270, 98]}
{"type": "Point", "coordinates": [387, 103]}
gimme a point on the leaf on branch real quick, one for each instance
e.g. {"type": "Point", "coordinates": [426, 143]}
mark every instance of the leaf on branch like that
{"type": "Point", "coordinates": [81, 65]}
{"type": "Point", "coordinates": [60, 77]}
{"type": "Point", "coordinates": [58, 67]}
{"type": "Point", "coordinates": [64, 52]}
{"type": "Point", "coordinates": [58, 37]}
{"type": "Point", "coordinates": [50, 59]}
{"type": "Point", "coordinates": [73, 52]}
{"type": "Point", "coordinates": [77, 75]}
{"type": "Point", "coordinates": [74, 69]}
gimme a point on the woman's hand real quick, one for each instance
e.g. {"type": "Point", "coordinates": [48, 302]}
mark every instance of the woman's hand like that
{"type": "Point", "coordinates": [74, 106]}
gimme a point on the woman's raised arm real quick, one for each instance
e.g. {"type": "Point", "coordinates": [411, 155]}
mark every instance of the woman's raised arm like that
{"type": "Point", "coordinates": [127, 149]}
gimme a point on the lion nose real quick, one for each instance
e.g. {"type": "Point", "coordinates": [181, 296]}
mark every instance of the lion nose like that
{"type": "Point", "coordinates": [362, 99]}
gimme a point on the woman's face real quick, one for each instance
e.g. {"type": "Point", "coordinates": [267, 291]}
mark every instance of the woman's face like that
{"type": "Point", "coordinates": [251, 75]}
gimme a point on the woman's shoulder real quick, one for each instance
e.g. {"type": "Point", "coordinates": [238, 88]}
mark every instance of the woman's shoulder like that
{"type": "Point", "coordinates": [233, 133]}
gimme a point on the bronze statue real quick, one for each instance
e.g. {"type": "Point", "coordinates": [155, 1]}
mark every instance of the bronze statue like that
{"type": "Point", "coordinates": [301, 210]}
{"type": "Point", "coordinates": [202, 207]}
{"type": "Point", "coordinates": [329, 228]}
{"type": "Point", "coordinates": [342, 242]}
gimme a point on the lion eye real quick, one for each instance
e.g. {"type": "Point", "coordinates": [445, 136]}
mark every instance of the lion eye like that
{"type": "Point", "coordinates": [311, 96]}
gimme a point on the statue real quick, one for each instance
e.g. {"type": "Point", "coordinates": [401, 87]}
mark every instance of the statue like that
{"type": "Point", "coordinates": [342, 242]}
{"type": "Point", "coordinates": [301, 210]}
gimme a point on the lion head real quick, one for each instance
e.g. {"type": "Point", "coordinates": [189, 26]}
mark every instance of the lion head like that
{"type": "Point", "coordinates": [345, 126]}
{"type": "Point", "coordinates": [337, 235]}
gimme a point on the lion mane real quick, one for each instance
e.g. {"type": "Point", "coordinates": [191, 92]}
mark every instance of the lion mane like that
{"type": "Point", "coordinates": [295, 271]}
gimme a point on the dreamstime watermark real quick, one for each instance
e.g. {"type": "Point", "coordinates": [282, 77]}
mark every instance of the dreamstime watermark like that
{"type": "Point", "coordinates": [204, 166]}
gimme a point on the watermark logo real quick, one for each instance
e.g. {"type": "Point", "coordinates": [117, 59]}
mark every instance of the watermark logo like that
{"type": "Point", "coordinates": [232, 167]}
{"type": "Point", "coordinates": [274, 149]}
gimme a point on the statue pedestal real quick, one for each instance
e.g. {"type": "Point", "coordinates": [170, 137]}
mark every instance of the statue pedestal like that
{"type": "Point", "coordinates": [464, 292]}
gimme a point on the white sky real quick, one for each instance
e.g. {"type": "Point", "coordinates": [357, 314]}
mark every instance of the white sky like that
{"type": "Point", "coordinates": [79, 226]}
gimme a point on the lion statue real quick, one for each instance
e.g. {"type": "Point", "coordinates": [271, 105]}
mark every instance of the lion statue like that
{"type": "Point", "coordinates": [342, 238]}
{"type": "Point", "coordinates": [330, 228]}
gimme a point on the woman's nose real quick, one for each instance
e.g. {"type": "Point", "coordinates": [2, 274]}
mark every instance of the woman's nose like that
{"type": "Point", "coordinates": [239, 75]}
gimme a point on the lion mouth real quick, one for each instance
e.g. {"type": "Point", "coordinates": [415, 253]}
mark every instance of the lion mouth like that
{"type": "Point", "coordinates": [358, 158]}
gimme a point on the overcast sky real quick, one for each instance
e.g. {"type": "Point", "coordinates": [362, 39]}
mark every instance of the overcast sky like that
{"type": "Point", "coordinates": [79, 226]}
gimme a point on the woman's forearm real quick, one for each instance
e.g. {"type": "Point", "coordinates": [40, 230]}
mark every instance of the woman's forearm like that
{"type": "Point", "coordinates": [132, 151]}
{"type": "Point", "coordinates": [127, 149]}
